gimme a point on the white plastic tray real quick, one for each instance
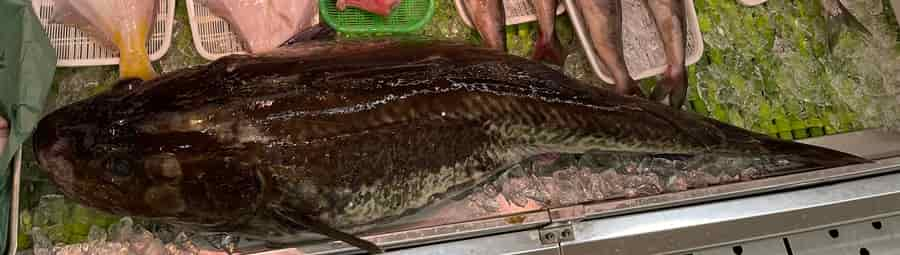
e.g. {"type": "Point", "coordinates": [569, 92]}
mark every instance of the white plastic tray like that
{"type": "Point", "coordinates": [517, 11]}
{"type": "Point", "coordinates": [76, 48]}
{"type": "Point", "coordinates": [212, 35]}
{"type": "Point", "coordinates": [658, 65]}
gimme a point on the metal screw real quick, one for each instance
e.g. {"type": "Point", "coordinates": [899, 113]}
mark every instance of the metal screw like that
{"type": "Point", "coordinates": [565, 234]}
{"type": "Point", "coordinates": [550, 237]}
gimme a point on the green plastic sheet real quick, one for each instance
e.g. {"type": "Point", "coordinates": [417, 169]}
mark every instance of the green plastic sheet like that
{"type": "Point", "coordinates": [27, 65]}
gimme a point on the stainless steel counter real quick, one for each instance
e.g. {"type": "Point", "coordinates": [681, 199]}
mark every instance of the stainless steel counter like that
{"type": "Point", "coordinates": [680, 221]}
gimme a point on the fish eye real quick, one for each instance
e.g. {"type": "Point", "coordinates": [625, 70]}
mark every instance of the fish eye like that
{"type": "Point", "coordinates": [119, 167]}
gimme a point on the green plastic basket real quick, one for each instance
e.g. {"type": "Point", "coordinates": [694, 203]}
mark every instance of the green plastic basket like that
{"type": "Point", "coordinates": [409, 16]}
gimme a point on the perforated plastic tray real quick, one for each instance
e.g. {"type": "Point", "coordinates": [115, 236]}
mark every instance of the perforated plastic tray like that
{"type": "Point", "coordinates": [408, 16]}
{"type": "Point", "coordinates": [655, 60]}
{"type": "Point", "coordinates": [76, 48]}
{"type": "Point", "coordinates": [517, 11]}
{"type": "Point", "coordinates": [212, 35]}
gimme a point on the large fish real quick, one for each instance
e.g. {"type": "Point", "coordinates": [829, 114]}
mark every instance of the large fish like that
{"type": "Point", "coordinates": [603, 19]}
{"type": "Point", "coordinates": [489, 18]}
{"type": "Point", "coordinates": [333, 137]}
{"type": "Point", "coordinates": [547, 47]}
{"type": "Point", "coordinates": [669, 17]}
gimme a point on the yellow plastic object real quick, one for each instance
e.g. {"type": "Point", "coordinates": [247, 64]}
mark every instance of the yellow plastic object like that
{"type": "Point", "coordinates": [133, 59]}
{"type": "Point", "coordinates": [121, 24]}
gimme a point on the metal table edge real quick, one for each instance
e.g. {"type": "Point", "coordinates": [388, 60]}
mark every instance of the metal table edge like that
{"type": "Point", "coordinates": [880, 145]}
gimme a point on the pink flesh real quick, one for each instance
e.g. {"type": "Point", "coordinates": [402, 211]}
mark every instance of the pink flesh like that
{"type": "Point", "coordinates": [378, 7]}
{"type": "Point", "coordinates": [264, 25]}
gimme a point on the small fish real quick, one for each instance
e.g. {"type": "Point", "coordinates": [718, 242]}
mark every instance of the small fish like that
{"type": "Point", "coordinates": [379, 7]}
{"type": "Point", "coordinates": [489, 19]}
{"type": "Point", "coordinates": [838, 18]}
{"type": "Point", "coordinates": [338, 138]}
{"type": "Point", "coordinates": [604, 23]}
{"type": "Point", "coordinates": [669, 17]}
{"type": "Point", "coordinates": [547, 47]}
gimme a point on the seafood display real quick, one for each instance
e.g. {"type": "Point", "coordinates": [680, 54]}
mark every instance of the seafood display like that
{"type": "Point", "coordinates": [603, 19]}
{"type": "Point", "coordinates": [379, 7]}
{"type": "Point", "coordinates": [489, 19]}
{"type": "Point", "coordinates": [124, 25]}
{"type": "Point", "coordinates": [547, 47]}
{"type": "Point", "coordinates": [337, 137]}
{"type": "Point", "coordinates": [669, 16]}
{"type": "Point", "coordinates": [263, 25]}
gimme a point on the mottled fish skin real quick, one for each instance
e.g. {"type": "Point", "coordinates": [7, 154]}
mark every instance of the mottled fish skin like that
{"type": "Point", "coordinates": [603, 19]}
{"type": "Point", "coordinates": [547, 47]}
{"type": "Point", "coordinates": [669, 18]}
{"type": "Point", "coordinates": [353, 134]}
{"type": "Point", "coordinates": [489, 19]}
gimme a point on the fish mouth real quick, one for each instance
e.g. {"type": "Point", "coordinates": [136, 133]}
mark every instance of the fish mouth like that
{"type": "Point", "coordinates": [48, 146]}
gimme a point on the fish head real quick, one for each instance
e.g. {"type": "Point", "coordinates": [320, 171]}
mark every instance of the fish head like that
{"type": "Point", "coordinates": [80, 156]}
{"type": "Point", "coordinates": [96, 156]}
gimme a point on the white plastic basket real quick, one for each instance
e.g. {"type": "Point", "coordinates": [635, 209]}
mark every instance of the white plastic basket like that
{"type": "Point", "coordinates": [76, 48]}
{"type": "Point", "coordinates": [517, 11]}
{"type": "Point", "coordinates": [212, 35]}
{"type": "Point", "coordinates": [658, 64]}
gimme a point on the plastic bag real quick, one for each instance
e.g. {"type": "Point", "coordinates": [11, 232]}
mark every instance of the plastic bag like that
{"type": "Point", "coordinates": [27, 63]}
{"type": "Point", "coordinates": [120, 24]}
{"type": "Point", "coordinates": [265, 24]}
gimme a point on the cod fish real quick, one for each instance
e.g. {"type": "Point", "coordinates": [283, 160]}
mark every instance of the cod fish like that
{"type": "Point", "coordinates": [669, 17]}
{"type": "Point", "coordinates": [547, 47]}
{"type": "Point", "coordinates": [489, 18]}
{"type": "Point", "coordinates": [335, 137]}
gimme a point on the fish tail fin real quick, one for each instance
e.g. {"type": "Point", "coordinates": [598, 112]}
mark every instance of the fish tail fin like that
{"type": "Point", "coordinates": [549, 50]}
{"type": "Point", "coordinates": [674, 86]}
{"type": "Point", "coordinates": [788, 156]}
{"type": "Point", "coordinates": [804, 157]}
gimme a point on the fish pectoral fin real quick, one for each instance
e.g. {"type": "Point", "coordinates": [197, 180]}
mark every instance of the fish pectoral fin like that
{"type": "Point", "coordinates": [300, 220]}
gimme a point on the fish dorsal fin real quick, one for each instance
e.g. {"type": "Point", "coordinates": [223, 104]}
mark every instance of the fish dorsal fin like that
{"type": "Point", "coordinates": [319, 32]}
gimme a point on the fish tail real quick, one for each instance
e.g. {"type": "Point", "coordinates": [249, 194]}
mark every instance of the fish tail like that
{"type": "Point", "coordinates": [547, 48]}
{"type": "Point", "coordinates": [674, 85]}
{"type": "Point", "coordinates": [805, 157]}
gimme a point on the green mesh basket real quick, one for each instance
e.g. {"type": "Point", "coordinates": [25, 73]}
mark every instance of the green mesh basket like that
{"type": "Point", "coordinates": [409, 16]}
